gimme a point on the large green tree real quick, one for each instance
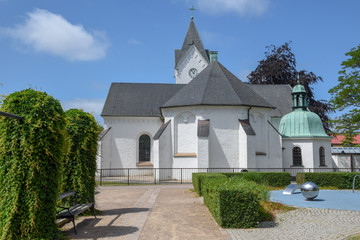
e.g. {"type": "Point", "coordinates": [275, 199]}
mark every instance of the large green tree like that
{"type": "Point", "coordinates": [345, 97]}
{"type": "Point", "coordinates": [279, 67]}
{"type": "Point", "coordinates": [80, 158]}
{"type": "Point", "coordinates": [30, 163]}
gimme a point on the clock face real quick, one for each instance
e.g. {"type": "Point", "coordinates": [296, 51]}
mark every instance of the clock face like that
{"type": "Point", "coordinates": [193, 72]}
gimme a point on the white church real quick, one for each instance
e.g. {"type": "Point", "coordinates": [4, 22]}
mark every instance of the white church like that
{"type": "Point", "coordinates": [209, 118]}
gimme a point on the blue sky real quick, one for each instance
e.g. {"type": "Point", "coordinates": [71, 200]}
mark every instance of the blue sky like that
{"type": "Point", "coordinates": [74, 50]}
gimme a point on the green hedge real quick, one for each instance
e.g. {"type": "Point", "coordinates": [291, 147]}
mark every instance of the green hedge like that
{"type": "Point", "coordinates": [197, 179]}
{"type": "Point", "coordinates": [79, 161]}
{"type": "Point", "coordinates": [234, 198]}
{"type": "Point", "coordinates": [30, 163]}
{"type": "Point", "coordinates": [341, 180]}
{"type": "Point", "coordinates": [273, 179]}
{"type": "Point", "coordinates": [233, 203]}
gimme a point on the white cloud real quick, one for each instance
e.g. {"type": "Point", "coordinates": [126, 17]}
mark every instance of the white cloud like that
{"type": "Point", "coordinates": [242, 7]}
{"type": "Point", "coordinates": [51, 33]}
{"type": "Point", "coordinates": [91, 105]}
{"type": "Point", "coordinates": [133, 41]}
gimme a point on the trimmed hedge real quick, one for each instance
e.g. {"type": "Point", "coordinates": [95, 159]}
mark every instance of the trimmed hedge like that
{"type": "Point", "coordinates": [341, 180]}
{"type": "Point", "coordinates": [30, 163]}
{"type": "Point", "coordinates": [233, 203]}
{"type": "Point", "coordinates": [197, 179]}
{"type": "Point", "coordinates": [273, 179]}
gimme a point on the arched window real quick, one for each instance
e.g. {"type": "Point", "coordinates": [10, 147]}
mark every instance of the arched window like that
{"type": "Point", "coordinates": [297, 160]}
{"type": "Point", "coordinates": [144, 148]}
{"type": "Point", "coordinates": [322, 156]}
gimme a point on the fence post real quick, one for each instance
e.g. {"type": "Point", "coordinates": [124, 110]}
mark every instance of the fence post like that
{"type": "Point", "coordinates": [181, 175]}
{"type": "Point", "coordinates": [128, 176]}
{"type": "Point", "coordinates": [100, 177]}
{"type": "Point", "coordinates": [155, 175]}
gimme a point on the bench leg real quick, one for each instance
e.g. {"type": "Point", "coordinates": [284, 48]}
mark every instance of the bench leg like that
{"type": "Point", "coordinates": [73, 220]}
{"type": "Point", "coordinates": [93, 210]}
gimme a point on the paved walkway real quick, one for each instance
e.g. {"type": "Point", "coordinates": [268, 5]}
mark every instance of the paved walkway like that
{"type": "Point", "coordinates": [173, 212]}
{"type": "Point", "coordinates": [148, 212]}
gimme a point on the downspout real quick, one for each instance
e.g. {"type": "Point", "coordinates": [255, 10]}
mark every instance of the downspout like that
{"type": "Point", "coordinates": [248, 113]}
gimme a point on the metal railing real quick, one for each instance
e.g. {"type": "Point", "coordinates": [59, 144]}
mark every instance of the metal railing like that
{"type": "Point", "coordinates": [127, 176]}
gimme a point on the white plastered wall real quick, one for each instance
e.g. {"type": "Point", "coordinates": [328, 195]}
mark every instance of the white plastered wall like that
{"type": "Point", "coordinates": [275, 148]}
{"type": "Point", "coordinates": [343, 161]}
{"type": "Point", "coordinates": [226, 144]}
{"type": "Point", "coordinates": [309, 151]}
{"type": "Point", "coordinates": [326, 144]}
{"type": "Point", "coordinates": [120, 145]}
{"type": "Point", "coordinates": [267, 143]}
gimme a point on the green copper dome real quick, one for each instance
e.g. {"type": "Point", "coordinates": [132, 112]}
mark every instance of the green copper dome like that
{"type": "Point", "coordinates": [301, 123]}
{"type": "Point", "coordinates": [299, 89]}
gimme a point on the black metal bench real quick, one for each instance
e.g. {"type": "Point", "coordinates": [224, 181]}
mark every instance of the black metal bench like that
{"type": "Point", "coordinates": [78, 204]}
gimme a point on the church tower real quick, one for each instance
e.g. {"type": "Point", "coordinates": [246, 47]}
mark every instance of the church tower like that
{"type": "Point", "coordinates": [192, 58]}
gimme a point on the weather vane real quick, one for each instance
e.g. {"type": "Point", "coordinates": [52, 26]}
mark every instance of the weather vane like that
{"type": "Point", "coordinates": [192, 9]}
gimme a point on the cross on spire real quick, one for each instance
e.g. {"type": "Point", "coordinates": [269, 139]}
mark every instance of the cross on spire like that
{"type": "Point", "coordinates": [192, 9]}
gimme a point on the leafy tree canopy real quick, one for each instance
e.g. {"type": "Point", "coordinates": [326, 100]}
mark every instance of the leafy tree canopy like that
{"type": "Point", "coordinates": [279, 67]}
{"type": "Point", "coordinates": [79, 163]}
{"type": "Point", "coordinates": [30, 164]}
{"type": "Point", "coordinates": [346, 97]}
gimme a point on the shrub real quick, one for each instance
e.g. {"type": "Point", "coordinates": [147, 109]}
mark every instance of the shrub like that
{"type": "Point", "coordinates": [341, 180]}
{"type": "Point", "coordinates": [273, 179]}
{"type": "Point", "coordinates": [79, 164]}
{"type": "Point", "coordinates": [197, 179]}
{"type": "Point", "coordinates": [233, 203]}
{"type": "Point", "coordinates": [30, 163]}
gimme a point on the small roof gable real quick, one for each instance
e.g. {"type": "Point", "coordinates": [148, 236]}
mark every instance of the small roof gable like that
{"type": "Point", "coordinates": [138, 99]}
{"type": "Point", "coordinates": [216, 85]}
{"type": "Point", "coordinates": [278, 95]}
{"type": "Point", "coordinates": [192, 38]}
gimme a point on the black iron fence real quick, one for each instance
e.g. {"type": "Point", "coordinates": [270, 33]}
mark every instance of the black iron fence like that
{"type": "Point", "coordinates": [127, 176]}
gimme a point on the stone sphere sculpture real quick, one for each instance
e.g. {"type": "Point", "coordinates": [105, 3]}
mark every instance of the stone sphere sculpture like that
{"type": "Point", "coordinates": [309, 190]}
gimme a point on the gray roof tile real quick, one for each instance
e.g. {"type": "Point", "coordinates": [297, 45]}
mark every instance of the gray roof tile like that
{"type": "Point", "coordinates": [216, 85]}
{"type": "Point", "coordinates": [138, 99]}
{"type": "Point", "coordinates": [278, 95]}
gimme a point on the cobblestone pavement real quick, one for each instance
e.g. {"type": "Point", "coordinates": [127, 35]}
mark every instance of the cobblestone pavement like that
{"type": "Point", "coordinates": [305, 223]}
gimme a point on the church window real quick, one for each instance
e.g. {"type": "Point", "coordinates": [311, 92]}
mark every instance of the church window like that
{"type": "Point", "coordinates": [297, 160]}
{"type": "Point", "coordinates": [144, 148]}
{"type": "Point", "coordinates": [322, 156]}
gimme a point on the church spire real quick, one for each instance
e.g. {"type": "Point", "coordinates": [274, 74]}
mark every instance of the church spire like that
{"type": "Point", "coordinates": [192, 38]}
